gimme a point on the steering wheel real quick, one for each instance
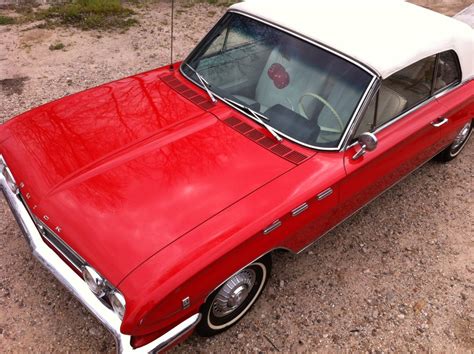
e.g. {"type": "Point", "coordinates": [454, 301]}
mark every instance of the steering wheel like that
{"type": "Point", "coordinates": [328, 105]}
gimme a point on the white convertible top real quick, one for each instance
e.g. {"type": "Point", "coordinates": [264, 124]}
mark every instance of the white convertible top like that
{"type": "Point", "coordinates": [386, 35]}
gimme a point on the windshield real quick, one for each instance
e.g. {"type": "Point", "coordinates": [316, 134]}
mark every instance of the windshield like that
{"type": "Point", "coordinates": [306, 93]}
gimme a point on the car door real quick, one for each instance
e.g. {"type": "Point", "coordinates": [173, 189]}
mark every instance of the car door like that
{"type": "Point", "coordinates": [457, 100]}
{"type": "Point", "coordinates": [406, 121]}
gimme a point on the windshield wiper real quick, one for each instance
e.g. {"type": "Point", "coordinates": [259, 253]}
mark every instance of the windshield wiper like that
{"type": "Point", "coordinates": [204, 83]}
{"type": "Point", "coordinates": [258, 117]}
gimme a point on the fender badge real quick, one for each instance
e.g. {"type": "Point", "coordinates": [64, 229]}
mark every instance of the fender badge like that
{"type": "Point", "coordinates": [46, 217]}
{"type": "Point", "coordinates": [58, 229]}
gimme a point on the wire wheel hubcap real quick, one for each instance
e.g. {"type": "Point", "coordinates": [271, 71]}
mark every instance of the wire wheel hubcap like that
{"type": "Point", "coordinates": [461, 137]}
{"type": "Point", "coordinates": [234, 292]}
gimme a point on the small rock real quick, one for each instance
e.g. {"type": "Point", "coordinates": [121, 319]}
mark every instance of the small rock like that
{"type": "Point", "coordinates": [94, 331]}
{"type": "Point", "coordinates": [240, 336]}
{"type": "Point", "coordinates": [271, 292]}
{"type": "Point", "coordinates": [401, 316]}
{"type": "Point", "coordinates": [419, 305]}
{"type": "Point", "coordinates": [464, 296]}
{"type": "Point", "coordinates": [282, 283]}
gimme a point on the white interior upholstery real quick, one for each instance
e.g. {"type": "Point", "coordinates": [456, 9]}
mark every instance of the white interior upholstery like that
{"type": "Point", "coordinates": [305, 79]}
{"type": "Point", "coordinates": [390, 104]}
{"type": "Point", "coordinates": [268, 95]}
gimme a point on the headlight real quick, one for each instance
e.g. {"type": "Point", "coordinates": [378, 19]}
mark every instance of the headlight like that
{"type": "Point", "coordinates": [100, 287]}
{"type": "Point", "coordinates": [8, 176]}
{"type": "Point", "coordinates": [118, 303]}
{"type": "Point", "coordinates": [95, 282]}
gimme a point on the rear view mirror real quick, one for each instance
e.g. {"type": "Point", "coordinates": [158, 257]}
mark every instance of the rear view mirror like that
{"type": "Point", "coordinates": [367, 142]}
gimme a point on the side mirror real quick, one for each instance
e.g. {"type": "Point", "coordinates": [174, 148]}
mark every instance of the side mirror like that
{"type": "Point", "coordinates": [367, 142]}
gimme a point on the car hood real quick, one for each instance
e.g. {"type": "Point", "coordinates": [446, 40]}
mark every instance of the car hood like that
{"type": "Point", "coordinates": [124, 169]}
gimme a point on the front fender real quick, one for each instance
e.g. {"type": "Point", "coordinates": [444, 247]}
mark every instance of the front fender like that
{"type": "Point", "coordinates": [197, 263]}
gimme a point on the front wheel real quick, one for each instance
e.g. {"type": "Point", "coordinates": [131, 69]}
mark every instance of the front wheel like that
{"type": "Point", "coordinates": [457, 145]}
{"type": "Point", "coordinates": [233, 299]}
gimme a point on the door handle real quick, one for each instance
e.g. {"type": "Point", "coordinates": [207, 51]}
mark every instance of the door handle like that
{"type": "Point", "coordinates": [439, 122]}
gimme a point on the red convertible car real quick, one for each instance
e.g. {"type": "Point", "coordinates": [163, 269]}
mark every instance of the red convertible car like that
{"type": "Point", "coordinates": [158, 199]}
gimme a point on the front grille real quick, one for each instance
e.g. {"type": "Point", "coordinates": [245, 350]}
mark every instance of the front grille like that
{"type": "Point", "coordinates": [55, 241]}
{"type": "Point", "coordinates": [57, 244]}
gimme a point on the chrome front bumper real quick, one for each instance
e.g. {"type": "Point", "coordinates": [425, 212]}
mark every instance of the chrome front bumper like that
{"type": "Point", "coordinates": [78, 287]}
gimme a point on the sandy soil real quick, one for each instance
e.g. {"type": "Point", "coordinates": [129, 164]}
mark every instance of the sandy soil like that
{"type": "Point", "coordinates": [398, 276]}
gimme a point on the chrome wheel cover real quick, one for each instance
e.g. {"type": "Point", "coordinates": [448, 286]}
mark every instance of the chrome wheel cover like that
{"type": "Point", "coordinates": [233, 293]}
{"type": "Point", "coordinates": [461, 137]}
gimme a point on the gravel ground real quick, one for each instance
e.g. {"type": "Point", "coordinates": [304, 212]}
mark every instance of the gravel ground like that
{"type": "Point", "coordinates": [398, 276]}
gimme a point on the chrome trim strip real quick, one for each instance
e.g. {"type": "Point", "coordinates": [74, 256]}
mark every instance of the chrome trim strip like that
{"type": "Point", "coordinates": [78, 287]}
{"type": "Point", "coordinates": [324, 194]}
{"type": "Point", "coordinates": [76, 260]}
{"type": "Point", "coordinates": [370, 71]}
{"type": "Point", "coordinates": [403, 115]}
{"type": "Point", "coordinates": [373, 91]}
{"type": "Point", "coordinates": [298, 210]}
{"type": "Point", "coordinates": [411, 110]}
{"type": "Point", "coordinates": [363, 206]}
{"type": "Point", "coordinates": [275, 225]}
{"type": "Point", "coordinates": [292, 32]}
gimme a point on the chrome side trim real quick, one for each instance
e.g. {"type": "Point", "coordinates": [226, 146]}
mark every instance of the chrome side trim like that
{"type": "Point", "coordinates": [324, 194]}
{"type": "Point", "coordinates": [78, 287]}
{"type": "Point", "coordinates": [363, 206]}
{"type": "Point", "coordinates": [403, 115]}
{"type": "Point", "coordinates": [275, 225]}
{"type": "Point", "coordinates": [436, 96]}
{"type": "Point", "coordinates": [56, 242]}
{"type": "Point", "coordinates": [363, 99]}
{"type": "Point", "coordinates": [298, 210]}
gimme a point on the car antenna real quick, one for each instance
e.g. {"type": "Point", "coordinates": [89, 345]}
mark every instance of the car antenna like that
{"type": "Point", "coordinates": [171, 39]}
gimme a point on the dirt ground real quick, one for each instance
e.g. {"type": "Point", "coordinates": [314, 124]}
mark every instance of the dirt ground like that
{"type": "Point", "coordinates": [398, 276]}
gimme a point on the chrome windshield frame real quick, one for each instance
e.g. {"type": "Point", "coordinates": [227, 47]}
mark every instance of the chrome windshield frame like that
{"type": "Point", "coordinates": [362, 102]}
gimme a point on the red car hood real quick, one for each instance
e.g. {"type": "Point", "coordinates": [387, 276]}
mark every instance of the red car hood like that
{"type": "Point", "coordinates": [126, 168]}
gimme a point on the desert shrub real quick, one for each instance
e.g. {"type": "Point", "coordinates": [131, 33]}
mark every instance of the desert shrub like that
{"type": "Point", "coordinates": [89, 14]}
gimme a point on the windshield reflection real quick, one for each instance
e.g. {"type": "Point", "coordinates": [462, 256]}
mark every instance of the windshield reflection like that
{"type": "Point", "coordinates": [307, 93]}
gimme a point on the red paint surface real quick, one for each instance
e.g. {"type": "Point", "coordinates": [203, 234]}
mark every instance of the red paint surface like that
{"type": "Point", "coordinates": [166, 199]}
